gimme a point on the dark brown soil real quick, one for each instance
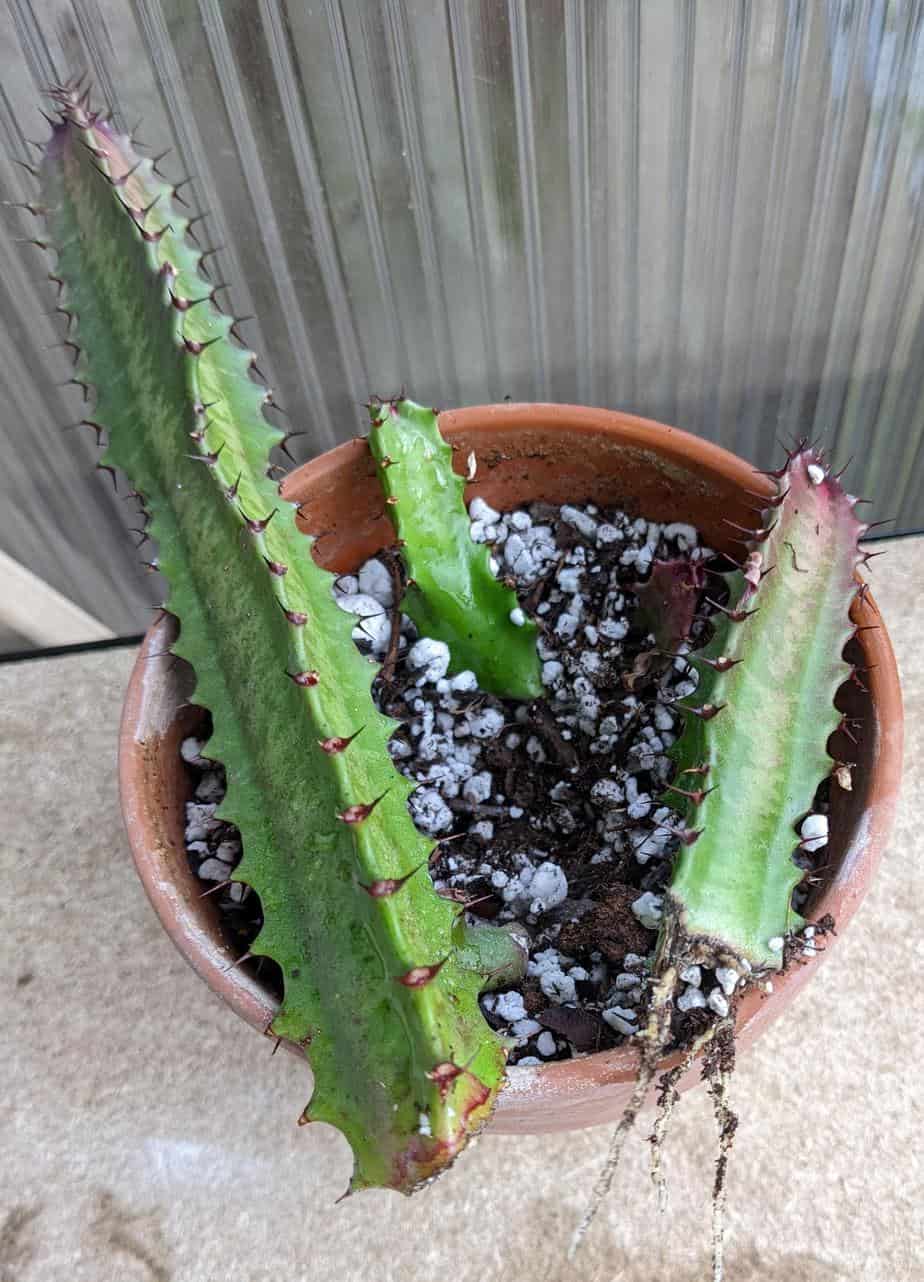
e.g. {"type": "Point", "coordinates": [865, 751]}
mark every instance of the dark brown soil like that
{"type": "Point", "coordinates": [610, 927]}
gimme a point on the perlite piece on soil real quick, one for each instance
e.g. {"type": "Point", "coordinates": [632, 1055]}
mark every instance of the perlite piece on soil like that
{"type": "Point", "coordinates": [452, 594]}
{"type": "Point", "coordinates": [381, 975]}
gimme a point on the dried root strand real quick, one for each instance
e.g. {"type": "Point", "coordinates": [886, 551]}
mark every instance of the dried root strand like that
{"type": "Point", "coordinates": [668, 1096]}
{"type": "Point", "coordinates": [654, 1040]}
{"type": "Point", "coordinates": [717, 1069]}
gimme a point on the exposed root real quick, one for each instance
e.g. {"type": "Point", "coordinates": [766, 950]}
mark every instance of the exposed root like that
{"type": "Point", "coordinates": [654, 1039]}
{"type": "Point", "coordinates": [720, 1063]}
{"type": "Point", "coordinates": [717, 1044]}
{"type": "Point", "coordinates": [668, 1096]}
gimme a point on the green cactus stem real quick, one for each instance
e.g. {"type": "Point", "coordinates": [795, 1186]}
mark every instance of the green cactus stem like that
{"type": "Point", "coordinates": [452, 594]}
{"type": "Point", "coordinates": [754, 747]}
{"type": "Point", "coordinates": [381, 974]}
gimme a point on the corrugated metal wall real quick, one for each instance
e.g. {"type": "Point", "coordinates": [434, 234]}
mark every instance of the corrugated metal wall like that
{"type": "Point", "coordinates": [707, 212]}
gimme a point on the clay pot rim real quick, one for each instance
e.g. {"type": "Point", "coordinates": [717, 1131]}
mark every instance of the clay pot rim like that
{"type": "Point", "coordinates": [558, 1082]}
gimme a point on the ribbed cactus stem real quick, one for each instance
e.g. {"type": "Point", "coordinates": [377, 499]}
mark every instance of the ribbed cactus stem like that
{"type": "Point", "coordinates": [381, 974]}
{"type": "Point", "coordinates": [754, 748]}
{"type": "Point", "coordinates": [452, 595]}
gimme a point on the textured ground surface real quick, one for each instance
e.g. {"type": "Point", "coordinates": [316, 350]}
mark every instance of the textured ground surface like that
{"type": "Point", "coordinates": [148, 1136]}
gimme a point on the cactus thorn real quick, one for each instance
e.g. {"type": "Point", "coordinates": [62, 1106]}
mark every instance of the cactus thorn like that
{"type": "Point", "coordinates": [696, 795]}
{"type": "Point", "coordinates": [705, 711]}
{"type": "Point", "coordinates": [420, 976]}
{"type": "Point", "coordinates": [184, 304]}
{"type": "Point", "coordinates": [123, 178]}
{"type": "Point", "coordinates": [269, 398]}
{"type": "Point", "coordinates": [756, 535]}
{"type": "Point", "coordinates": [276, 568]}
{"type": "Point", "coordinates": [231, 491]}
{"type": "Point", "coordinates": [254, 525]}
{"type": "Point", "coordinates": [385, 887]}
{"type": "Point", "coordinates": [360, 811]}
{"type": "Point", "coordinates": [30, 169]}
{"type": "Point", "coordinates": [736, 615]}
{"type": "Point", "coordinates": [772, 500]}
{"type": "Point", "coordinates": [209, 459]}
{"type": "Point", "coordinates": [722, 664]}
{"type": "Point", "coordinates": [307, 679]}
{"type": "Point", "coordinates": [195, 347]}
{"type": "Point", "coordinates": [336, 743]}
{"type": "Point", "coordinates": [297, 618]}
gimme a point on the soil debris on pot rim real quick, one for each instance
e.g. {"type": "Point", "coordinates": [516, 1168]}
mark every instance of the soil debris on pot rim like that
{"type": "Point", "coordinates": [553, 807]}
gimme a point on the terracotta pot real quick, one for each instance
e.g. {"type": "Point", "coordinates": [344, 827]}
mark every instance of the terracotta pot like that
{"type": "Point", "coordinates": [525, 452]}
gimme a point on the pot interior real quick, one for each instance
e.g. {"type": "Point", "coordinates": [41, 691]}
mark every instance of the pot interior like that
{"type": "Point", "coordinates": [523, 453]}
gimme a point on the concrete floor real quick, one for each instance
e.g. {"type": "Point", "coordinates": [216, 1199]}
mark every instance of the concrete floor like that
{"type": "Point", "coordinates": [149, 1137]}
